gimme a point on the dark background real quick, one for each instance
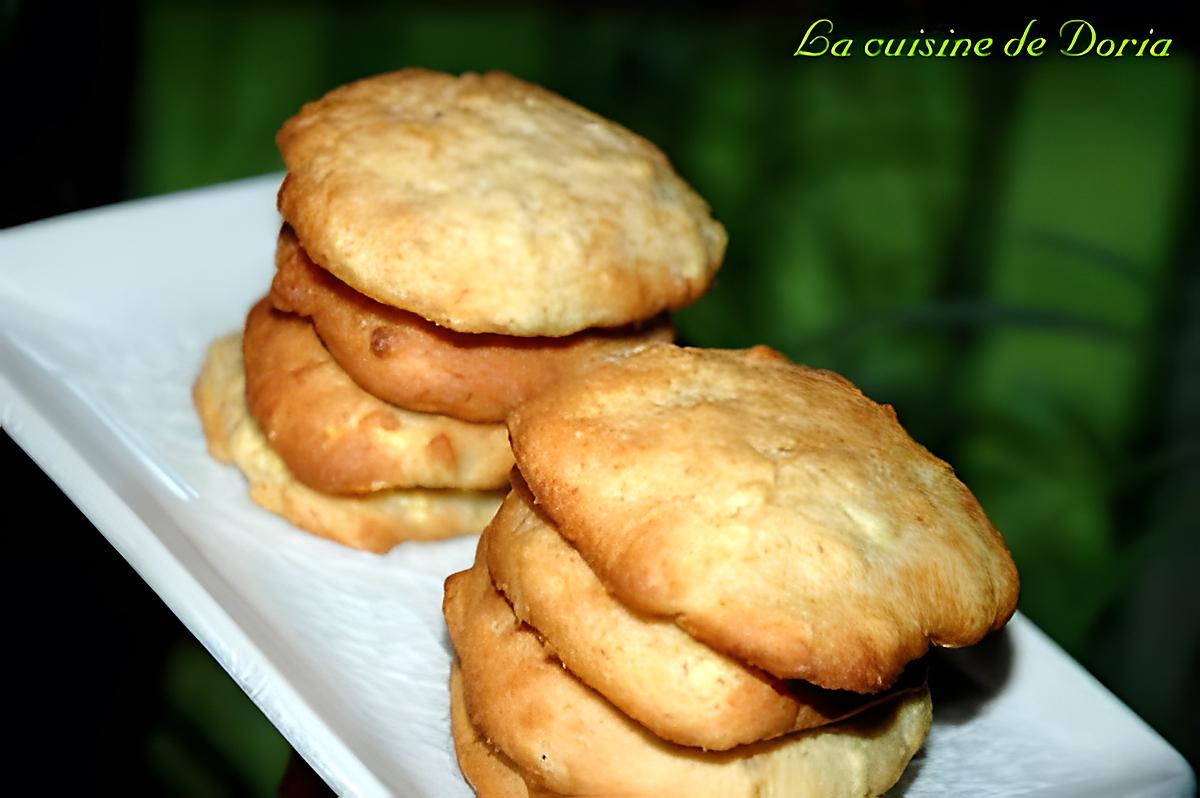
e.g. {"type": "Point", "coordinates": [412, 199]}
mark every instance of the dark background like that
{"type": "Point", "coordinates": [1005, 249]}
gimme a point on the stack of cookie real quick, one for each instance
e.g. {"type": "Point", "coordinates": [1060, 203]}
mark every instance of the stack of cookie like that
{"type": "Point", "coordinates": [711, 579]}
{"type": "Point", "coordinates": [451, 247]}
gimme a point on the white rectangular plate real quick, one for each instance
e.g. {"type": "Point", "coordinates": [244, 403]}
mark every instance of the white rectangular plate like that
{"type": "Point", "coordinates": [104, 319]}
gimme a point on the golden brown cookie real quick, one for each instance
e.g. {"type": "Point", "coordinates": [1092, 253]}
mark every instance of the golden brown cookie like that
{"type": "Point", "coordinates": [677, 687]}
{"type": "Point", "coordinates": [374, 522]}
{"type": "Point", "coordinates": [337, 438]}
{"type": "Point", "coordinates": [771, 510]}
{"type": "Point", "coordinates": [487, 770]}
{"type": "Point", "coordinates": [566, 739]}
{"type": "Point", "coordinates": [486, 204]}
{"type": "Point", "coordinates": [408, 361]}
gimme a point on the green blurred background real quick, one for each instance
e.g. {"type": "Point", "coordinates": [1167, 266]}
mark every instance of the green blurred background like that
{"type": "Point", "coordinates": [1007, 250]}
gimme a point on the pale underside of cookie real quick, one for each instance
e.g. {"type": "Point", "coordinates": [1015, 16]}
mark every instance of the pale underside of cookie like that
{"type": "Point", "coordinates": [771, 510]}
{"type": "Point", "coordinates": [565, 738]}
{"type": "Point", "coordinates": [486, 204]}
{"type": "Point", "coordinates": [408, 361]}
{"type": "Point", "coordinates": [337, 438]}
{"type": "Point", "coordinates": [677, 687]}
{"type": "Point", "coordinates": [487, 770]}
{"type": "Point", "coordinates": [374, 522]}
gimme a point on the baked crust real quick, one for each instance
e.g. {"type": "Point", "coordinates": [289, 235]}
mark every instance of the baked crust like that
{"type": "Point", "coordinates": [771, 510]}
{"type": "Point", "coordinates": [566, 739]}
{"type": "Point", "coordinates": [487, 204]}
{"type": "Point", "coordinates": [408, 361]}
{"type": "Point", "coordinates": [337, 438]}
{"type": "Point", "coordinates": [374, 522]}
{"type": "Point", "coordinates": [487, 770]}
{"type": "Point", "coordinates": [648, 667]}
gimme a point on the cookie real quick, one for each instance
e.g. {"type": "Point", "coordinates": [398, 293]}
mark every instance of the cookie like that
{"type": "Point", "coordinates": [771, 510]}
{"type": "Point", "coordinates": [564, 738]}
{"type": "Point", "coordinates": [374, 522]}
{"type": "Point", "coordinates": [677, 687]}
{"type": "Point", "coordinates": [408, 361]}
{"type": "Point", "coordinates": [488, 771]}
{"type": "Point", "coordinates": [486, 204]}
{"type": "Point", "coordinates": [337, 438]}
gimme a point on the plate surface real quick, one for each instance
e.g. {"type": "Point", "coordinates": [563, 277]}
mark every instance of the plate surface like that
{"type": "Point", "coordinates": [104, 319]}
